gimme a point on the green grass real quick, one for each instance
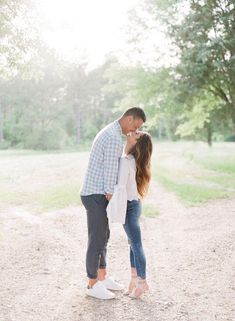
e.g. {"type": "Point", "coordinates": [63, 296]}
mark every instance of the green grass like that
{"type": "Point", "coordinates": [222, 165]}
{"type": "Point", "coordinates": [219, 158]}
{"type": "Point", "coordinates": [150, 210]}
{"type": "Point", "coordinates": [58, 197]}
{"type": "Point", "coordinates": [14, 196]}
{"type": "Point", "coordinates": [224, 181]}
{"type": "Point", "coordinates": [41, 180]}
{"type": "Point", "coordinates": [191, 194]}
{"type": "Point", "coordinates": [83, 147]}
{"type": "Point", "coordinates": [195, 172]}
{"type": "Point", "coordinates": [48, 198]}
{"type": "Point", "coordinates": [51, 180]}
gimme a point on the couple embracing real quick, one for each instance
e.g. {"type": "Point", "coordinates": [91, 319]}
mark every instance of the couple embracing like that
{"type": "Point", "coordinates": [116, 180]}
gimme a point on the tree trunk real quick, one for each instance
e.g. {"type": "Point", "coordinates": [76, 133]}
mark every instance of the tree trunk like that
{"type": "Point", "coordinates": [1, 125]}
{"type": "Point", "coordinates": [160, 130]}
{"type": "Point", "coordinates": [233, 114]}
{"type": "Point", "coordinates": [209, 134]}
{"type": "Point", "coordinates": [233, 124]}
{"type": "Point", "coordinates": [78, 124]}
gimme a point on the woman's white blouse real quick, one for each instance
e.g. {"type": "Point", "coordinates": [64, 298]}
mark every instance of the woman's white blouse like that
{"type": "Point", "coordinates": [125, 190]}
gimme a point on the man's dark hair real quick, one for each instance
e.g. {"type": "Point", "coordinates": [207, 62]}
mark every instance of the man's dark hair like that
{"type": "Point", "coordinates": [136, 112]}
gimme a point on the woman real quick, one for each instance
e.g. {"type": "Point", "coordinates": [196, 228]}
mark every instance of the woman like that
{"type": "Point", "coordinates": [125, 205]}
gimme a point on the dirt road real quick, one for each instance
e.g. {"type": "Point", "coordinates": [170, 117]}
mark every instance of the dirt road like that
{"type": "Point", "coordinates": [190, 256]}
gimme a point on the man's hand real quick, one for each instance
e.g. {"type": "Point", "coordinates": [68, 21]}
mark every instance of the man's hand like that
{"type": "Point", "coordinates": [108, 196]}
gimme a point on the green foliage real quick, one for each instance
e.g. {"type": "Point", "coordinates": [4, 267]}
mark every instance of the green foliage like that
{"type": "Point", "coordinates": [62, 104]}
{"type": "Point", "coordinates": [151, 89]}
{"type": "Point", "coordinates": [201, 86]}
{"type": "Point", "coordinates": [206, 43]}
{"type": "Point", "coordinates": [18, 35]}
{"type": "Point", "coordinates": [34, 110]}
{"type": "Point", "coordinates": [5, 145]}
{"type": "Point", "coordinates": [204, 117]}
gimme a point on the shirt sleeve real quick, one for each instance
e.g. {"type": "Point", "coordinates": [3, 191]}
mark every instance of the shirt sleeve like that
{"type": "Point", "coordinates": [112, 153]}
{"type": "Point", "coordinates": [124, 169]}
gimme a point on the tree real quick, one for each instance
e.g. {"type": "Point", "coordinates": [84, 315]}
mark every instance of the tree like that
{"type": "Point", "coordinates": [18, 35]}
{"type": "Point", "coordinates": [34, 110]}
{"type": "Point", "coordinates": [205, 37]}
{"type": "Point", "coordinates": [151, 89]}
{"type": "Point", "coordinates": [18, 39]}
{"type": "Point", "coordinates": [86, 94]}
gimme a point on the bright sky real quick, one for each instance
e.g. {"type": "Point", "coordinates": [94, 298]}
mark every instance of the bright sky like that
{"type": "Point", "coordinates": [88, 28]}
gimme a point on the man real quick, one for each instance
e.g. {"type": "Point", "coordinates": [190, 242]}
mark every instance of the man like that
{"type": "Point", "coordinates": [97, 189]}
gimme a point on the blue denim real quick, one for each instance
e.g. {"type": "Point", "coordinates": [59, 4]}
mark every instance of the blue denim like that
{"type": "Point", "coordinates": [132, 229]}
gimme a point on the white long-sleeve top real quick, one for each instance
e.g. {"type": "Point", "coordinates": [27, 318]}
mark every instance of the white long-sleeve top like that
{"type": "Point", "coordinates": [125, 190]}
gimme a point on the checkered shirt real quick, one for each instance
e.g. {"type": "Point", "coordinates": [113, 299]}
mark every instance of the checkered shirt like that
{"type": "Point", "coordinates": [102, 171]}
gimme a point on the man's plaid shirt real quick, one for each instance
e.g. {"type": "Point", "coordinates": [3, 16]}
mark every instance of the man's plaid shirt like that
{"type": "Point", "coordinates": [102, 171]}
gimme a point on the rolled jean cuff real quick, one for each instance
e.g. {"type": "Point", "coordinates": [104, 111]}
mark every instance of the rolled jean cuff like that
{"type": "Point", "coordinates": [92, 276]}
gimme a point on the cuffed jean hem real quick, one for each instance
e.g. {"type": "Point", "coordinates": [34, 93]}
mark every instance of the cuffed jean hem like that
{"type": "Point", "coordinates": [95, 276]}
{"type": "Point", "coordinates": [92, 277]}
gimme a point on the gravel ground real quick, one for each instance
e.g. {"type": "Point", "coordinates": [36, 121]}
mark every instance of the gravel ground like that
{"type": "Point", "coordinates": [190, 263]}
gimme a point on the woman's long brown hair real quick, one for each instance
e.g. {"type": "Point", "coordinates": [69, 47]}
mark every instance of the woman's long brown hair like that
{"type": "Point", "coordinates": [142, 152]}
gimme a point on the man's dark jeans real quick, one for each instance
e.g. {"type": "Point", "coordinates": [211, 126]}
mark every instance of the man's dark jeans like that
{"type": "Point", "coordinates": [98, 233]}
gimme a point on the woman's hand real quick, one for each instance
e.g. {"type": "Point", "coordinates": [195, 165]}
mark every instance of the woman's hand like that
{"type": "Point", "coordinates": [131, 140]}
{"type": "Point", "coordinates": [108, 196]}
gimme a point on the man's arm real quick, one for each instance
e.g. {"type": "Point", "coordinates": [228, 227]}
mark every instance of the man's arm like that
{"type": "Point", "coordinates": [111, 162]}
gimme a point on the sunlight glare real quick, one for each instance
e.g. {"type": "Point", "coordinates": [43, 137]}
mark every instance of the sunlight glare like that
{"type": "Point", "coordinates": [93, 26]}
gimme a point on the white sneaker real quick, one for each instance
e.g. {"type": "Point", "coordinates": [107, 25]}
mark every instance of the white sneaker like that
{"type": "Point", "coordinates": [111, 284]}
{"type": "Point", "coordinates": [99, 291]}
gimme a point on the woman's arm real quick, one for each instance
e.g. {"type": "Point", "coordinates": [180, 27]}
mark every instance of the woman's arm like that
{"type": "Point", "coordinates": [116, 209]}
{"type": "Point", "coordinates": [123, 172]}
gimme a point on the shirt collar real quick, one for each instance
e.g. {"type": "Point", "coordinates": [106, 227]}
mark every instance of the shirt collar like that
{"type": "Point", "coordinates": [118, 127]}
{"type": "Point", "coordinates": [128, 156]}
